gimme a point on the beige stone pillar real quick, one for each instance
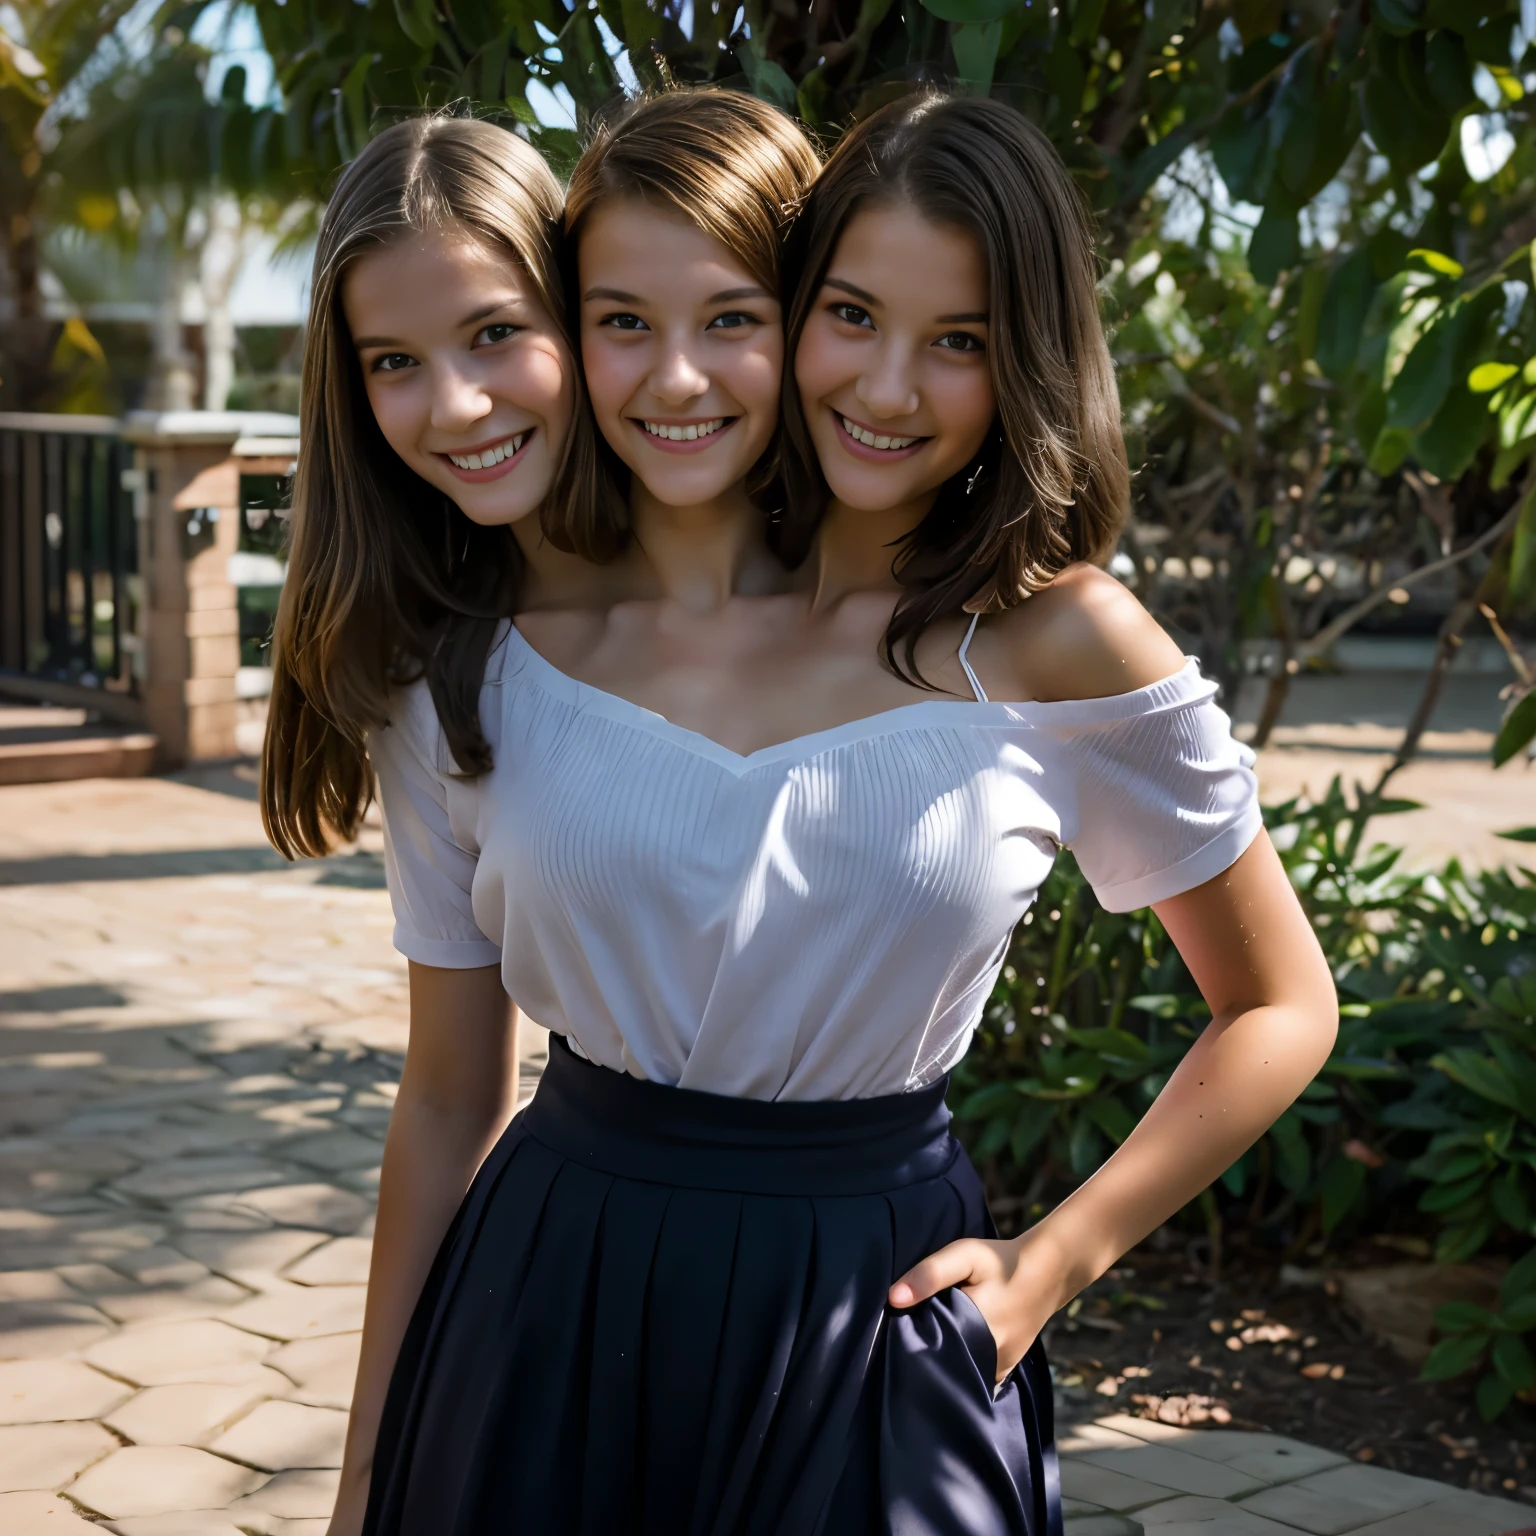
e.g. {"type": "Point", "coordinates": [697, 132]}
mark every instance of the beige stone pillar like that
{"type": "Point", "coordinates": [189, 528]}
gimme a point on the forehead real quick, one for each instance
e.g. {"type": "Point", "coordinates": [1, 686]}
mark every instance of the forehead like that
{"type": "Point", "coordinates": [911, 262]}
{"type": "Point", "coordinates": [639, 247]}
{"type": "Point", "coordinates": [426, 275]}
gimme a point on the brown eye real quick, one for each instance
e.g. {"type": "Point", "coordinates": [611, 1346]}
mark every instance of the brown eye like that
{"type": "Point", "coordinates": [962, 341]}
{"type": "Point", "coordinates": [852, 314]}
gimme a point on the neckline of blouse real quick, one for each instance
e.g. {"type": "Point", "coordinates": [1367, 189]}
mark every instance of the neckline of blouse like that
{"type": "Point", "coordinates": [1186, 686]}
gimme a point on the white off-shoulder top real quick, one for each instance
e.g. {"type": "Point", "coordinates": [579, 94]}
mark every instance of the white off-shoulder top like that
{"type": "Point", "coordinates": [822, 919]}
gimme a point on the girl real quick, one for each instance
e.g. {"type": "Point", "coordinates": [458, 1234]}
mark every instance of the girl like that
{"type": "Point", "coordinates": [441, 410]}
{"type": "Point", "coordinates": [955, 449]}
{"type": "Point", "coordinates": [581, 1358]}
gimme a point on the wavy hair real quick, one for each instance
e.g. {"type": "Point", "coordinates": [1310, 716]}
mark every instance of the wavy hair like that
{"type": "Point", "coordinates": [387, 580]}
{"type": "Point", "coordinates": [735, 168]}
{"type": "Point", "coordinates": [1052, 486]}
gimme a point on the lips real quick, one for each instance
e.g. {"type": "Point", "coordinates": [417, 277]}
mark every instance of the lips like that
{"type": "Point", "coordinates": [488, 461]}
{"type": "Point", "coordinates": [875, 447]}
{"type": "Point", "coordinates": [684, 436]}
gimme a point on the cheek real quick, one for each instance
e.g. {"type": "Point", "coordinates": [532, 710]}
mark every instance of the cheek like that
{"type": "Point", "coordinates": [756, 374]}
{"type": "Point", "coordinates": [395, 409]}
{"type": "Point", "coordinates": [965, 406]}
{"type": "Point", "coordinates": [612, 373]}
{"type": "Point", "coordinates": [817, 362]}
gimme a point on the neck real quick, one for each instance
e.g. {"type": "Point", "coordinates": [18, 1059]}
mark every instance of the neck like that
{"type": "Point", "coordinates": [854, 548]}
{"type": "Point", "coordinates": [552, 578]}
{"type": "Point", "coordinates": [701, 556]}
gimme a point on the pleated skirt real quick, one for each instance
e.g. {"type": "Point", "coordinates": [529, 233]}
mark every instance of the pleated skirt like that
{"type": "Point", "coordinates": [663, 1313]}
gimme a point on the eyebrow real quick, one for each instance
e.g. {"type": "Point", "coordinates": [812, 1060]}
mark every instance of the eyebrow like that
{"type": "Point", "coordinates": [725, 296]}
{"type": "Point", "coordinates": [363, 343]}
{"type": "Point", "coordinates": [978, 318]}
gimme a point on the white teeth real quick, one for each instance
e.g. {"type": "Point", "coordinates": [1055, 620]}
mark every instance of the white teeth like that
{"type": "Point", "coordinates": [869, 439]}
{"type": "Point", "coordinates": [683, 434]}
{"type": "Point", "coordinates": [488, 456]}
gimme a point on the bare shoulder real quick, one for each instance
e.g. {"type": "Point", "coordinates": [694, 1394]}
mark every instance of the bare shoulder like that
{"type": "Point", "coordinates": [1083, 637]}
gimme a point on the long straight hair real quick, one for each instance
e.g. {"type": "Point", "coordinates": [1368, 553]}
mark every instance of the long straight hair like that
{"type": "Point", "coordinates": [387, 580]}
{"type": "Point", "coordinates": [735, 168]}
{"type": "Point", "coordinates": [1052, 485]}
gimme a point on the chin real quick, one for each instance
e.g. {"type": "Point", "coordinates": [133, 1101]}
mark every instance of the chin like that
{"type": "Point", "coordinates": [869, 494]}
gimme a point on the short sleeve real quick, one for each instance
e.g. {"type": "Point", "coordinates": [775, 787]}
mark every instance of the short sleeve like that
{"type": "Point", "coordinates": [429, 870]}
{"type": "Point", "coordinates": [1165, 795]}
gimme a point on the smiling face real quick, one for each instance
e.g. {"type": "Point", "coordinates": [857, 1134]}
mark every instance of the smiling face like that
{"type": "Point", "coordinates": [683, 351]}
{"type": "Point", "coordinates": [467, 373]}
{"type": "Point", "coordinates": [892, 362]}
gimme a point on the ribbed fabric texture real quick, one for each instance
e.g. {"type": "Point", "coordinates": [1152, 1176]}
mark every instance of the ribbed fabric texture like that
{"type": "Point", "coordinates": [823, 919]}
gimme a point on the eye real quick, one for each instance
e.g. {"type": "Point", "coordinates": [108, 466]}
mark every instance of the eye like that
{"type": "Point", "coordinates": [491, 334]}
{"type": "Point", "coordinates": [961, 341]}
{"type": "Point", "coordinates": [732, 320]}
{"type": "Point", "coordinates": [624, 321]}
{"type": "Point", "coordinates": [851, 314]}
{"type": "Point", "coordinates": [393, 362]}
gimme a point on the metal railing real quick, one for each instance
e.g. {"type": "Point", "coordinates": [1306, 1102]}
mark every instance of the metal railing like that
{"type": "Point", "coordinates": [69, 551]}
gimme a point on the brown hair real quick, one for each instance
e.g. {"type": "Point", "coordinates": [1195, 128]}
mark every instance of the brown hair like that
{"type": "Point", "coordinates": [735, 168]}
{"type": "Point", "coordinates": [1053, 485]}
{"type": "Point", "coordinates": [387, 580]}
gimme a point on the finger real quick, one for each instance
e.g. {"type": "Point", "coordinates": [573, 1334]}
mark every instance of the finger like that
{"type": "Point", "coordinates": [951, 1265]}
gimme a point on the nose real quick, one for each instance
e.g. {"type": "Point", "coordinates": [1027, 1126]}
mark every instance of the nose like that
{"type": "Point", "coordinates": [677, 377]}
{"type": "Point", "coordinates": [459, 399]}
{"type": "Point", "coordinates": [887, 387]}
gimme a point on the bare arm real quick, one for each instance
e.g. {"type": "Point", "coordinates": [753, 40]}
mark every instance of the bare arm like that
{"type": "Point", "coordinates": [457, 1093]}
{"type": "Point", "coordinates": [1274, 1014]}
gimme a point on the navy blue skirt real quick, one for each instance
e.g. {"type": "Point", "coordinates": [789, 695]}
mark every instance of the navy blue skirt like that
{"type": "Point", "coordinates": [662, 1313]}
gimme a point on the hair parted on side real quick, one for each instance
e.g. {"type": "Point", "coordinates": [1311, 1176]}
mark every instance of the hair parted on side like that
{"type": "Point", "coordinates": [1053, 485]}
{"type": "Point", "coordinates": [387, 580]}
{"type": "Point", "coordinates": [735, 168]}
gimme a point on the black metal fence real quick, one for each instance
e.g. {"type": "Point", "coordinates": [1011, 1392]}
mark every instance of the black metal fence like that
{"type": "Point", "coordinates": [68, 551]}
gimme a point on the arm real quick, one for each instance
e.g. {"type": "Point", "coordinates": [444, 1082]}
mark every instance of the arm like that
{"type": "Point", "coordinates": [1274, 1014]}
{"type": "Point", "coordinates": [457, 1093]}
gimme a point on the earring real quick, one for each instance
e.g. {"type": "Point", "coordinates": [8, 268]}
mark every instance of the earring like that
{"type": "Point", "coordinates": [970, 485]}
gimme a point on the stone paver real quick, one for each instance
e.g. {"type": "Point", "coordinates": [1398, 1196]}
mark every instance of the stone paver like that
{"type": "Point", "coordinates": [199, 1047]}
{"type": "Point", "coordinates": [49, 1455]}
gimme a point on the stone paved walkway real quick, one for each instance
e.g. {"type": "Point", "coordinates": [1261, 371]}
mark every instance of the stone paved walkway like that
{"type": "Point", "coordinates": [198, 1050]}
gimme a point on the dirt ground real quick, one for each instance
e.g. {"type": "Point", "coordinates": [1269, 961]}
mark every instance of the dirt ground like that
{"type": "Point", "coordinates": [1262, 1352]}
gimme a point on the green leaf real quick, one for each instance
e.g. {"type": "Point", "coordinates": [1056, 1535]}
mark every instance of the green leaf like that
{"type": "Point", "coordinates": [1345, 304]}
{"type": "Point", "coordinates": [1398, 16]}
{"type": "Point", "coordinates": [1243, 148]}
{"type": "Point", "coordinates": [418, 20]}
{"type": "Point", "coordinates": [1494, 1395]}
{"type": "Point", "coordinates": [1458, 1243]}
{"type": "Point", "coordinates": [1111, 1117]}
{"type": "Point", "coordinates": [1434, 261]}
{"type": "Point", "coordinates": [1519, 1280]}
{"type": "Point", "coordinates": [994, 1099]}
{"type": "Point", "coordinates": [1518, 730]}
{"type": "Point", "coordinates": [1275, 243]}
{"type": "Point", "coordinates": [1449, 71]}
{"type": "Point", "coordinates": [972, 11]}
{"type": "Point", "coordinates": [1464, 1317]}
{"type": "Point", "coordinates": [1450, 1357]}
{"type": "Point", "coordinates": [1522, 554]}
{"type": "Point", "coordinates": [1440, 1198]}
{"type": "Point", "coordinates": [976, 53]}
{"type": "Point", "coordinates": [1511, 1358]}
{"type": "Point", "coordinates": [1295, 1157]}
{"type": "Point", "coordinates": [1449, 444]}
{"type": "Point", "coordinates": [1029, 1129]}
{"type": "Point", "coordinates": [1338, 1188]}
{"type": "Point", "coordinates": [1519, 1316]}
{"type": "Point", "coordinates": [1400, 127]}
{"type": "Point", "coordinates": [1086, 18]}
{"type": "Point", "coordinates": [768, 79]}
{"type": "Point", "coordinates": [1519, 835]}
{"type": "Point", "coordinates": [1085, 1147]}
{"type": "Point", "coordinates": [1487, 377]}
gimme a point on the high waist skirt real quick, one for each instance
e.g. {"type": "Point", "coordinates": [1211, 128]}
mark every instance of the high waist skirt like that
{"type": "Point", "coordinates": [662, 1313]}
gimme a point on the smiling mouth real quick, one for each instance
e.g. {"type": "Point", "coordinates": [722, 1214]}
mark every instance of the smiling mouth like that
{"type": "Point", "coordinates": [489, 458]}
{"type": "Point", "coordinates": [884, 441]}
{"type": "Point", "coordinates": [692, 432]}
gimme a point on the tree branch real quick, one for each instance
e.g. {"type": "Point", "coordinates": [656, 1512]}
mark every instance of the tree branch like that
{"type": "Point", "coordinates": [1325, 637]}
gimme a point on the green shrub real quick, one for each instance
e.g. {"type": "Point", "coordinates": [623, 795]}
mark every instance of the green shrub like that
{"type": "Point", "coordinates": [1427, 1103]}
